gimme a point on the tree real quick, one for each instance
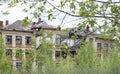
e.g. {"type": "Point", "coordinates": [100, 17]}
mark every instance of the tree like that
{"type": "Point", "coordinates": [5, 65]}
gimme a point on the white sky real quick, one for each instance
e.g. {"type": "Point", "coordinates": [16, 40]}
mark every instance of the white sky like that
{"type": "Point", "coordinates": [17, 14]}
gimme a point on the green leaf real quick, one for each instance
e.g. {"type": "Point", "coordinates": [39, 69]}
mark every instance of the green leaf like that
{"type": "Point", "coordinates": [49, 16]}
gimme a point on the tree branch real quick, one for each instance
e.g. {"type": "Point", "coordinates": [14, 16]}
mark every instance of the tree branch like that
{"type": "Point", "coordinates": [106, 2]}
{"type": "Point", "coordinates": [63, 19]}
{"type": "Point", "coordinates": [75, 15]}
{"type": "Point", "coordinates": [100, 2]}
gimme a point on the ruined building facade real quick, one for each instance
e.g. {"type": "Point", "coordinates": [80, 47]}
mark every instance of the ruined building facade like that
{"type": "Point", "coordinates": [17, 40]}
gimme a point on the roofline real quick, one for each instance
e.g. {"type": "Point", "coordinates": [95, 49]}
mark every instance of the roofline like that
{"type": "Point", "coordinates": [30, 31]}
{"type": "Point", "coordinates": [45, 28]}
{"type": "Point", "coordinates": [105, 39]}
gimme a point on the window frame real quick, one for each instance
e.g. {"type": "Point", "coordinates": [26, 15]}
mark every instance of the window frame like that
{"type": "Point", "coordinates": [99, 47]}
{"type": "Point", "coordinates": [19, 38]}
{"type": "Point", "coordinates": [18, 53]}
{"type": "Point", "coordinates": [18, 65]}
{"type": "Point", "coordinates": [58, 37]}
{"type": "Point", "coordinates": [106, 46]}
{"type": "Point", "coordinates": [8, 52]}
{"type": "Point", "coordinates": [28, 40]}
{"type": "Point", "coordinates": [57, 54]}
{"type": "Point", "coordinates": [8, 39]}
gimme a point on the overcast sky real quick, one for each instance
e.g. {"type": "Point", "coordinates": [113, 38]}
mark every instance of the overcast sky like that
{"type": "Point", "coordinates": [17, 14]}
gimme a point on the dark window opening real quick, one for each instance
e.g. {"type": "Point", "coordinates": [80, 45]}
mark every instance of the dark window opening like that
{"type": "Point", "coordinates": [28, 40]}
{"type": "Point", "coordinates": [57, 54]}
{"type": "Point", "coordinates": [64, 54]}
{"type": "Point", "coordinates": [8, 39]}
{"type": "Point", "coordinates": [72, 53]}
{"type": "Point", "coordinates": [18, 65]}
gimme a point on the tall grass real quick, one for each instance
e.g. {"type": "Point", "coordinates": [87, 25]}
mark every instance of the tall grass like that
{"type": "Point", "coordinates": [87, 62]}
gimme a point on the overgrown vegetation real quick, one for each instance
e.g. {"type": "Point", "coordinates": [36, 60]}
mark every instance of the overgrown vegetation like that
{"type": "Point", "coordinates": [85, 62]}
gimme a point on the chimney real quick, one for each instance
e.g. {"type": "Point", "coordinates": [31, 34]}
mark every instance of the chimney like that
{"type": "Point", "coordinates": [88, 28]}
{"type": "Point", "coordinates": [7, 22]}
{"type": "Point", "coordinates": [1, 24]}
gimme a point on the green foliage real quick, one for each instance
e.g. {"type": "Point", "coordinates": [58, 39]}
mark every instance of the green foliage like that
{"type": "Point", "coordinates": [33, 41]}
{"type": "Point", "coordinates": [86, 61]}
{"type": "Point", "coordinates": [65, 31]}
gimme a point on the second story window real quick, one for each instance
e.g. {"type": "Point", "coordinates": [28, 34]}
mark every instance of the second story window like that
{"type": "Point", "coordinates": [99, 46]}
{"type": "Point", "coordinates": [8, 39]}
{"type": "Point", "coordinates": [27, 40]}
{"type": "Point", "coordinates": [58, 39]}
{"type": "Point", "coordinates": [18, 39]}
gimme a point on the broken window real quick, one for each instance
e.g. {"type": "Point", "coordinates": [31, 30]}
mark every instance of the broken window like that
{"type": "Point", "coordinates": [99, 46]}
{"type": "Point", "coordinates": [8, 39]}
{"type": "Point", "coordinates": [27, 40]}
{"type": "Point", "coordinates": [18, 65]}
{"type": "Point", "coordinates": [64, 54]}
{"type": "Point", "coordinates": [58, 39]}
{"type": "Point", "coordinates": [72, 53]}
{"type": "Point", "coordinates": [18, 39]}
{"type": "Point", "coordinates": [57, 54]}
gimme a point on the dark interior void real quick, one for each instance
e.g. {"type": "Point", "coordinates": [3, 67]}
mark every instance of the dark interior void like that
{"type": "Point", "coordinates": [57, 54]}
{"type": "Point", "coordinates": [64, 54]}
{"type": "Point", "coordinates": [72, 53]}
